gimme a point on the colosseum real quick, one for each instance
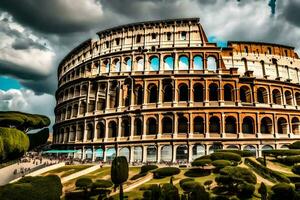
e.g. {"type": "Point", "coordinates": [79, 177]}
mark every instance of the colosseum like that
{"type": "Point", "coordinates": [158, 91]}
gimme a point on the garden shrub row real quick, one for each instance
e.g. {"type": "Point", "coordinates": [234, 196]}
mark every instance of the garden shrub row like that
{"type": "Point", "coordinates": [266, 172]}
{"type": "Point", "coordinates": [290, 160]}
{"type": "Point", "coordinates": [225, 156]}
{"type": "Point", "coordinates": [243, 153]}
{"type": "Point", "coordinates": [281, 152]}
{"type": "Point", "coordinates": [201, 162]}
{"type": "Point", "coordinates": [295, 145]}
{"type": "Point", "coordinates": [166, 171]}
{"type": "Point", "coordinates": [296, 169]}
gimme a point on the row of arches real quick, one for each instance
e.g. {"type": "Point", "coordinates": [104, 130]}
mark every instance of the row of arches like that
{"type": "Point", "coordinates": [181, 126]}
{"type": "Point", "coordinates": [165, 153]}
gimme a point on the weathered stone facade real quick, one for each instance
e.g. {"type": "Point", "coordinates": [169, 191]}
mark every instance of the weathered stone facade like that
{"type": "Point", "coordinates": [159, 91]}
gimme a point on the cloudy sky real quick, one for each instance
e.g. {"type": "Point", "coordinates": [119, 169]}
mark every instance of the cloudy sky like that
{"type": "Point", "coordinates": [35, 35]}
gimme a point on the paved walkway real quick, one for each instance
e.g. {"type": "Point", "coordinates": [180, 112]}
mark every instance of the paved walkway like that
{"type": "Point", "coordinates": [7, 173]}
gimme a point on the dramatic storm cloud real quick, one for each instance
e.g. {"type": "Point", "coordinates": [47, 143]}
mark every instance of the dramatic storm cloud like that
{"type": "Point", "coordinates": [35, 35]}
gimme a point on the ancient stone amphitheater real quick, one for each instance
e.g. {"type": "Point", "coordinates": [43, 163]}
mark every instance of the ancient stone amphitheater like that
{"type": "Point", "coordinates": [158, 91]}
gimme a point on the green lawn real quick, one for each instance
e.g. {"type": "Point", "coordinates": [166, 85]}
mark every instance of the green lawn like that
{"type": "Point", "coordinates": [67, 170]}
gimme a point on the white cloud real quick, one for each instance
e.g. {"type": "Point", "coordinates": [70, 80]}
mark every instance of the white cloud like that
{"type": "Point", "coordinates": [26, 100]}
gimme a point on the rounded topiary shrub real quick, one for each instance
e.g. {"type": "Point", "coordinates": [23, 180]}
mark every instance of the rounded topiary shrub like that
{"type": "Point", "coordinates": [182, 181]}
{"type": "Point", "coordinates": [225, 156]}
{"type": "Point", "coordinates": [101, 183]}
{"type": "Point", "coordinates": [188, 186]}
{"type": "Point", "coordinates": [245, 191]}
{"type": "Point", "coordinates": [295, 145]}
{"type": "Point", "coordinates": [282, 191]}
{"type": "Point", "coordinates": [221, 163]}
{"type": "Point", "coordinates": [203, 157]}
{"type": "Point", "coordinates": [166, 171]}
{"type": "Point", "coordinates": [201, 162]}
{"type": "Point", "coordinates": [197, 172]}
{"type": "Point", "coordinates": [146, 168]}
{"type": "Point", "coordinates": [296, 169]}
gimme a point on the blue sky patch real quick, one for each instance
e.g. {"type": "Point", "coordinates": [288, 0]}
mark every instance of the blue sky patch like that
{"type": "Point", "coordinates": [7, 83]}
{"type": "Point", "coordinates": [220, 43]}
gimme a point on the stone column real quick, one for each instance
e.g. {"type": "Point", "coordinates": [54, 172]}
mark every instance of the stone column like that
{"type": "Point", "coordinates": [174, 148]}
{"type": "Point", "coordinates": [144, 159]}
{"type": "Point", "coordinates": [131, 157]}
{"type": "Point", "coordinates": [106, 131]}
{"type": "Point", "coordinates": [144, 134]}
{"type": "Point", "coordinates": [158, 157]}
{"type": "Point", "coordinates": [107, 106]}
{"type": "Point", "coordinates": [223, 124]}
{"type": "Point", "coordinates": [119, 133]}
{"type": "Point", "coordinates": [190, 153]}
{"type": "Point", "coordinates": [83, 155]}
{"type": "Point", "coordinates": [95, 131]}
{"type": "Point", "coordinates": [175, 127]}
{"type": "Point", "coordinates": [132, 118]}
{"type": "Point", "coordinates": [160, 88]}
{"type": "Point", "coordinates": [159, 124]}
{"type": "Point", "coordinates": [206, 125]}
{"type": "Point", "coordinates": [104, 154]}
{"type": "Point", "coordinates": [94, 154]}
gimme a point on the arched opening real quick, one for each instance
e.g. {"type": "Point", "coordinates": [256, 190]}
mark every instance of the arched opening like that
{"type": "Point", "coordinates": [151, 126]}
{"type": "Point", "coordinates": [182, 153]}
{"type": "Point", "coordinates": [89, 132]}
{"type": "Point", "coordinates": [297, 95]}
{"type": "Point", "coordinates": [282, 126]}
{"type": "Point", "coordinates": [166, 153]}
{"type": "Point", "coordinates": [100, 130]}
{"type": "Point", "coordinates": [168, 93]}
{"type": "Point", "coordinates": [183, 63]}
{"type": "Point", "coordinates": [128, 65]}
{"type": "Point", "coordinates": [267, 148]}
{"type": "Point", "coordinates": [288, 97]}
{"type": "Point", "coordinates": [228, 92]}
{"type": "Point", "coordinates": [88, 154]}
{"type": "Point", "coordinates": [232, 147]}
{"type": "Point", "coordinates": [212, 63]}
{"type": "Point", "coordinates": [99, 154]}
{"type": "Point", "coordinates": [198, 63]}
{"type": "Point", "coordinates": [262, 95]}
{"type": "Point", "coordinates": [251, 149]}
{"type": "Point", "coordinates": [69, 110]}
{"type": "Point", "coordinates": [198, 151]}
{"type": "Point", "coordinates": [154, 63]}
{"type": "Point", "coordinates": [198, 125]}
{"type": "Point", "coordinates": [73, 134]}
{"type": "Point", "coordinates": [168, 63]}
{"type": "Point", "coordinates": [80, 133]}
{"type": "Point", "coordinates": [138, 127]}
{"type": "Point", "coordinates": [183, 92]}
{"type": "Point", "coordinates": [198, 93]}
{"type": "Point", "coordinates": [125, 131]}
{"type": "Point", "coordinates": [182, 124]}
{"type": "Point", "coordinates": [82, 108]}
{"type": "Point", "coordinates": [276, 97]}
{"type": "Point", "coordinates": [137, 154]}
{"type": "Point", "coordinates": [117, 65]}
{"type": "Point", "coordinates": [151, 154]}
{"type": "Point", "coordinates": [110, 154]}
{"type": "Point", "coordinates": [140, 64]}
{"type": "Point", "coordinates": [152, 92]}
{"type": "Point", "coordinates": [66, 135]}
{"type": "Point", "coordinates": [112, 129]}
{"type": "Point", "coordinates": [75, 110]}
{"type": "Point", "coordinates": [295, 126]}
{"type": "Point", "coordinates": [215, 147]}
{"type": "Point", "coordinates": [213, 92]}
{"type": "Point", "coordinates": [266, 125]}
{"type": "Point", "coordinates": [214, 125]}
{"type": "Point", "coordinates": [248, 125]}
{"type": "Point", "coordinates": [139, 95]}
{"type": "Point", "coordinates": [245, 94]}
{"type": "Point", "coordinates": [125, 152]}
{"type": "Point", "coordinates": [230, 125]}
{"type": "Point", "coordinates": [167, 125]}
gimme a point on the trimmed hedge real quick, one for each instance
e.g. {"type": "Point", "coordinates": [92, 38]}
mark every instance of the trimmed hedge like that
{"type": "Point", "coordinates": [101, 183]}
{"type": "Point", "coordinates": [166, 171]}
{"type": "Point", "coordinates": [146, 168]}
{"type": "Point", "coordinates": [243, 153]}
{"type": "Point", "coordinates": [267, 173]}
{"type": "Point", "coordinates": [295, 145]}
{"type": "Point", "coordinates": [197, 172]}
{"type": "Point", "coordinates": [189, 185]}
{"type": "Point", "coordinates": [203, 157]}
{"type": "Point", "coordinates": [282, 191]}
{"type": "Point", "coordinates": [13, 143]}
{"type": "Point", "coordinates": [226, 156]}
{"type": "Point", "coordinates": [296, 169]}
{"type": "Point", "coordinates": [281, 152]}
{"type": "Point", "coordinates": [221, 163]}
{"type": "Point", "coordinates": [182, 181]}
{"type": "Point", "coordinates": [201, 162]}
{"type": "Point", "coordinates": [290, 160]}
{"type": "Point", "coordinates": [37, 188]}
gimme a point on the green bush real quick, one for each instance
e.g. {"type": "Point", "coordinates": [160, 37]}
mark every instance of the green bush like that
{"type": "Point", "coordinates": [296, 169]}
{"type": "Point", "coordinates": [166, 171]}
{"type": "Point", "coordinates": [238, 174]}
{"type": "Point", "coordinates": [282, 191]}
{"type": "Point", "coordinates": [197, 172]}
{"type": "Point", "coordinates": [198, 192]}
{"type": "Point", "coordinates": [146, 168]}
{"type": "Point", "coordinates": [38, 138]}
{"type": "Point", "coordinates": [290, 160]}
{"type": "Point", "coordinates": [169, 192]}
{"type": "Point", "coordinates": [101, 183]}
{"type": "Point", "coordinates": [243, 153]}
{"type": "Point", "coordinates": [137, 176]}
{"type": "Point", "coordinates": [182, 181]}
{"type": "Point", "coordinates": [280, 152]}
{"type": "Point", "coordinates": [295, 145]}
{"type": "Point", "coordinates": [201, 162]}
{"type": "Point", "coordinates": [37, 188]}
{"type": "Point", "coordinates": [83, 183]}
{"type": "Point", "coordinates": [219, 164]}
{"type": "Point", "coordinates": [266, 172]}
{"type": "Point", "coordinates": [245, 191]}
{"type": "Point", "coordinates": [225, 156]}
{"type": "Point", "coordinates": [13, 143]}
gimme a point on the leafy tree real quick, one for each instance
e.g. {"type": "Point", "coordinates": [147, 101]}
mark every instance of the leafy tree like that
{"type": "Point", "coordinates": [170, 192]}
{"type": "Point", "coordinates": [199, 192]}
{"type": "Point", "coordinates": [119, 172]}
{"type": "Point", "coordinates": [283, 191]}
{"type": "Point", "coordinates": [262, 190]}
